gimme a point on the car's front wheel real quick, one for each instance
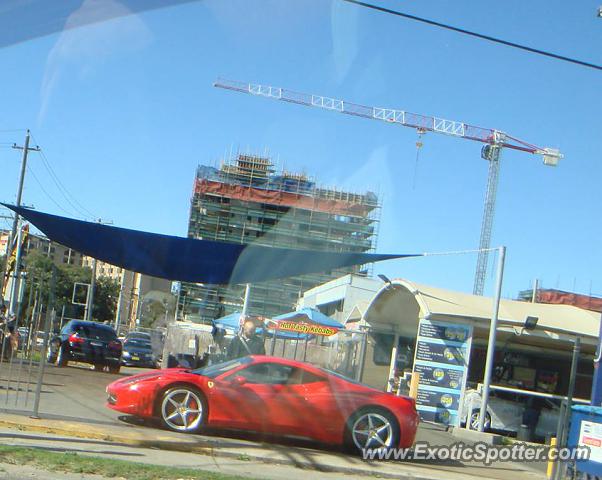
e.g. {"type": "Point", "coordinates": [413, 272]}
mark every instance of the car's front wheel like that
{"type": "Point", "coordinates": [183, 409]}
{"type": "Point", "coordinates": [371, 428]}
{"type": "Point", "coordinates": [474, 421]}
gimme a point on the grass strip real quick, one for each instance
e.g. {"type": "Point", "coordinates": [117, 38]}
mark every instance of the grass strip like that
{"type": "Point", "coordinates": [72, 462]}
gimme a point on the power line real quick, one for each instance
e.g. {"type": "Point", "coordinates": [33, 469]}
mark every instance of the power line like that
{"type": "Point", "coordinates": [477, 35]}
{"type": "Point", "coordinates": [35, 177]}
{"type": "Point", "coordinates": [75, 204]}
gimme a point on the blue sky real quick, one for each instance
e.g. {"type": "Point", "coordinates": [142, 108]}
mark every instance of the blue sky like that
{"type": "Point", "coordinates": [125, 110]}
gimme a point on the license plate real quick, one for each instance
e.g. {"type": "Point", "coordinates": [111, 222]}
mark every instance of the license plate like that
{"type": "Point", "coordinates": [135, 358]}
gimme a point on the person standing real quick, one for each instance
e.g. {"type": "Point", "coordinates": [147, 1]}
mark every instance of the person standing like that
{"type": "Point", "coordinates": [247, 342]}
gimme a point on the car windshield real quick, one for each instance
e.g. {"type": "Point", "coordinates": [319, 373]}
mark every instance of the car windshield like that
{"type": "Point", "coordinates": [95, 333]}
{"type": "Point", "coordinates": [138, 336]}
{"type": "Point", "coordinates": [137, 343]}
{"type": "Point", "coordinates": [219, 368]}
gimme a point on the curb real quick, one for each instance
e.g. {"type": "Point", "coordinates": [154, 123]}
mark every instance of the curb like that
{"type": "Point", "coordinates": [212, 449]}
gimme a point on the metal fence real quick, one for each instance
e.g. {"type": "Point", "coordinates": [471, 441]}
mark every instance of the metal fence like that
{"type": "Point", "coordinates": [23, 360]}
{"type": "Point", "coordinates": [340, 353]}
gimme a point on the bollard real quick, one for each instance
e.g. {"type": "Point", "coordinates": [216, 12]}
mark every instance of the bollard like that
{"type": "Point", "coordinates": [414, 385]}
{"type": "Point", "coordinates": [550, 469]}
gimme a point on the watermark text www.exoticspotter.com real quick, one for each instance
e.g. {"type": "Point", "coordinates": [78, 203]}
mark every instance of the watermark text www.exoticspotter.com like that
{"type": "Point", "coordinates": [478, 452]}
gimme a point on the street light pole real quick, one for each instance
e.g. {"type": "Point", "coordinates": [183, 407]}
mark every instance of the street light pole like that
{"type": "Point", "coordinates": [492, 334]}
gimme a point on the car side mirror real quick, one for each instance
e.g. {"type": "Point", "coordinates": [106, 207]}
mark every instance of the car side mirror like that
{"type": "Point", "coordinates": [239, 380]}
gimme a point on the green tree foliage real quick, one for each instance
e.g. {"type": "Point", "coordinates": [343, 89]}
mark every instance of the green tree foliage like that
{"type": "Point", "coordinates": [39, 279]}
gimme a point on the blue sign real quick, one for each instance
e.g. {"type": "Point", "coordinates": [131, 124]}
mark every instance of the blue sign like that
{"type": "Point", "coordinates": [441, 359]}
{"type": "Point", "coordinates": [596, 399]}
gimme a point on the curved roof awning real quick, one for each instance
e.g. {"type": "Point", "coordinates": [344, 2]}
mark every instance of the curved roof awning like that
{"type": "Point", "coordinates": [398, 306]}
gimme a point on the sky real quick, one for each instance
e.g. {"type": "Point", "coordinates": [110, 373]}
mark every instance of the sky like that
{"type": "Point", "coordinates": [125, 109]}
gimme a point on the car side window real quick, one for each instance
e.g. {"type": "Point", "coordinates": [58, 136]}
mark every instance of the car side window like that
{"type": "Point", "coordinates": [309, 377]}
{"type": "Point", "coordinates": [266, 373]}
{"type": "Point", "coordinates": [300, 376]}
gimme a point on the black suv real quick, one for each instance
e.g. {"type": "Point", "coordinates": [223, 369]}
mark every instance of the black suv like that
{"type": "Point", "coordinates": [87, 342]}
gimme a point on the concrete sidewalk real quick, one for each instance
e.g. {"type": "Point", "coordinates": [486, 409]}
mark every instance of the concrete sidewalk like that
{"type": "Point", "coordinates": [221, 449]}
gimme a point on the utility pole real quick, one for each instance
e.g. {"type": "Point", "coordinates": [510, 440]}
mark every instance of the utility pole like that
{"type": "Point", "coordinates": [90, 296]}
{"type": "Point", "coordinates": [26, 149]}
{"type": "Point", "coordinates": [120, 301]}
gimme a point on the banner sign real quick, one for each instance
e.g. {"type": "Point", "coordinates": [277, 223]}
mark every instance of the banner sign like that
{"type": "Point", "coordinates": [307, 328]}
{"type": "Point", "coordinates": [441, 359]}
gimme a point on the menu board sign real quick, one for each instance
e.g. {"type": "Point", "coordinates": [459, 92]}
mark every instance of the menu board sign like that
{"type": "Point", "coordinates": [442, 356]}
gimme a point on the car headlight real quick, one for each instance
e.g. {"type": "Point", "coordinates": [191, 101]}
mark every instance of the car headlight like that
{"type": "Point", "coordinates": [125, 354]}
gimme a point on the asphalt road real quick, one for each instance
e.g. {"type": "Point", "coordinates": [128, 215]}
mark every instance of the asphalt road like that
{"type": "Point", "coordinates": [78, 392]}
{"type": "Point", "coordinates": [73, 391]}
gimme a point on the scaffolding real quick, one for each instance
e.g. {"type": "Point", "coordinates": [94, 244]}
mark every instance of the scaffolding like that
{"type": "Point", "coordinates": [246, 201]}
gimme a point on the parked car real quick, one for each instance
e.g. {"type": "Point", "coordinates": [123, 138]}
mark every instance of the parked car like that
{"type": "Point", "coordinates": [138, 352]}
{"type": "Point", "coordinates": [23, 333]}
{"type": "Point", "coordinates": [87, 342]}
{"type": "Point", "coordinates": [139, 336]}
{"type": "Point", "coordinates": [505, 413]}
{"type": "Point", "coordinates": [40, 336]}
{"type": "Point", "coordinates": [270, 395]}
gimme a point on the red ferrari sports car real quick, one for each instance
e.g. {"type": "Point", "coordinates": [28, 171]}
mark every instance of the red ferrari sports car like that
{"type": "Point", "coordinates": [270, 395]}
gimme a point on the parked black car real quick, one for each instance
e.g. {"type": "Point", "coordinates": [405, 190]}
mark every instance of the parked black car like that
{"type": "Point", "coordinates": [87, 342]}
{"type": "Point", "coordinates": [138, 352]}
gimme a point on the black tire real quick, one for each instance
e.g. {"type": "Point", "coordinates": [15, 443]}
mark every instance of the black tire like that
{"type": "Point", "coordinates": [380, 418]}
{"type": "Point", "coordinates": [50, 354]}
{"type": "Point", "coordinates": [114, 368]}
{"type": "Point", "coordinates": [196, 401]}
{"type": "Point", "coordinates": [474, 416]}
{"type": "Point", "coordinates": [61, 357]}
{"type": "Point", "coordinates": [99, 367]}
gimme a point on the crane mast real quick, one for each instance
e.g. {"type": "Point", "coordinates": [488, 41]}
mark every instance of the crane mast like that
{"type": "Point", "coordinates": [494, 141]}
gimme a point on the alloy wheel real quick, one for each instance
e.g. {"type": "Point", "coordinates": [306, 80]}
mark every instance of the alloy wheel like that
{"type": "Point", "coordinates": [474, 421]}
{"type": "Point", "coordinates": [182, 410]}
{"type": "Point", "coordinates": [372, 430]}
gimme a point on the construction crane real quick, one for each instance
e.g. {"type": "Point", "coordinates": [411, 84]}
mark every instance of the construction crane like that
{"type": "Point", "coordinates": [495, 141]}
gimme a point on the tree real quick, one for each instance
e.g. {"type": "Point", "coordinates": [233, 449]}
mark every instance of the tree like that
{"type": "Point", "coordinates": [38, 281]}
{"type": "Point", "coordinates": [106, 294]}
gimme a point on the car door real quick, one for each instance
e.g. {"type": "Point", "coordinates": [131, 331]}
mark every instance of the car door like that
{"type": "Point", "coordinates": [262, 401]}
{"type": "Point", "coordinates": [240, 399]}
{"type": "Point", "coordinates": [323, 407]}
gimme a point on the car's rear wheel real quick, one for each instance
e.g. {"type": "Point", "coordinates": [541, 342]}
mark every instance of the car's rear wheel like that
{"type": "Point", "coordinates": [373, 428]}
{"type": "Point", "coordinates": [50, 355]}
{"type": "Point", "coordinates": [61, 357]}
{"type": "Point", "coordinates": [183, 409]}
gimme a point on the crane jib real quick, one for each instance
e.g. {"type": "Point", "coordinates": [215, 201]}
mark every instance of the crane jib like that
{"type": "Point", "coordinates": [416, 121]}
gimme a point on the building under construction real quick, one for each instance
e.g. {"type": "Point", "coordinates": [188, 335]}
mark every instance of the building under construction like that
{"type": "Point", "coordinates": [246, 201]}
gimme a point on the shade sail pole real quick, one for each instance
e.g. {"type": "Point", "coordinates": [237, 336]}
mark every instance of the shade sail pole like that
{"type": "Point", "coordinates": [492, 335]}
